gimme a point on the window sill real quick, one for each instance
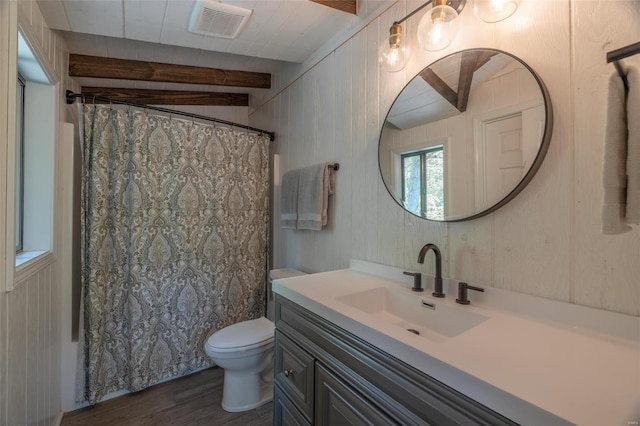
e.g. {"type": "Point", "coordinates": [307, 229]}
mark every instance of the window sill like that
{"type": "Point", "coordinates": [25, 256]}
{"type": "Point", "coordinates": [29, 263]}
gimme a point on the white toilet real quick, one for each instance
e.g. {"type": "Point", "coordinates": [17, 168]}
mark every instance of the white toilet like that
{"type": "Point", "coordinates": [245, 352]}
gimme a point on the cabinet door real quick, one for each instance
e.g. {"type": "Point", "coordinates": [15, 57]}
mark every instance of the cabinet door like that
{"type": "Point", "coordinates": [284, 412]}
{"type": "Point", "coordinates": [337, 404]}
{"type": "Point", "coordinates": [294, 373]}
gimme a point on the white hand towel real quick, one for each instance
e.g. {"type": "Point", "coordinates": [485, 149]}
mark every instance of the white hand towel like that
{"type": "Point", "coordinates": [633, 147]}
{"type": "Point", "coordinates": [313, 196]}
{"type": "Point", "coordinates": [614, 176]}
{"type": "Point", "coordinates": [289, 199]}
{"type": "Point", "coordinates": [329, 184]}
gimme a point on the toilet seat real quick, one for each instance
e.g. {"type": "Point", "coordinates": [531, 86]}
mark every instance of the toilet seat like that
{"type": "Point", "coordinates": [242, 336]}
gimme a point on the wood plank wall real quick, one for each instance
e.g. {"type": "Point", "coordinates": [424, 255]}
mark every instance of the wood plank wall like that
{"type": "Point", "coordinates": [547, 241]}
{"type": "Point", "coordinates": [30, 316]}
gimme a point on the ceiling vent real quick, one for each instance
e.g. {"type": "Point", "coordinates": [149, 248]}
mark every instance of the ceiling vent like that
{"type": "Point", "coordinates": [212, 18]}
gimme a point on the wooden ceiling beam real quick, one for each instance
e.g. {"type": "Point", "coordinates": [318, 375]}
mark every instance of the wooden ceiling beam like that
{"type": "Point", "coordinates": [349, 6]}
{"type": "Point", "coordinates": [440, 86]}
{"type": "Point", "coordinates": [467, 68]}
{"type": "Point", "coordinates": [125, 69]}
{"type": "Point", "coordinates": [167, 97]}
{"type": "Point", "coordinates": [471, 62]}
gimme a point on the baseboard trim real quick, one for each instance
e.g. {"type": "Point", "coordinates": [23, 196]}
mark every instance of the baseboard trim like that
{"type": "Point", "coordinates": [58, 420]}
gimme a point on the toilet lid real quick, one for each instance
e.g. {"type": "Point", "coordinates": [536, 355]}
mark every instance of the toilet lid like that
{"type": "Point", "coordinates": [242, 334]}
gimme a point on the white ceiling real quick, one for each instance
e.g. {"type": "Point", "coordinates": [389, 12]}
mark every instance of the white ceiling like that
{"type": "Point", "coordinates": [419, 103]}
{"type": "Point", "coordinates": [284, 30]}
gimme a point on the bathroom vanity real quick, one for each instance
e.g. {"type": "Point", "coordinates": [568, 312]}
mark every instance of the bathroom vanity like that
{"type": "Point", "coordinates": [327, 376]}
{"type": "Point", "coordinates": [356, 346]}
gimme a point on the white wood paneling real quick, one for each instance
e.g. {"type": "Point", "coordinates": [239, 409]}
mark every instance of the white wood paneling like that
{"type": "Point", "coordinates": [533, 233]}
{"type": "Point", "coordinates": [34, 370]}
{"type": "Point", "coordinates": [325, 123]}
{"type": "Point", "coordinates": [4, 315]}
{"type": "Point", "coordinates": [370, 153]}
{"type": "Point", "coordinates": [18, 329]}
{"type": "Point", "coordinates": [546, 241]}
{"type": "Point", "coordinates": [390, 217]}
{"type": "Point", "coordinates": [342, 200]}
{"type": "Point", "coordinates": [606, 271]}
{"type": "Point", "coordinates": [358, 83]}
{"type": "Point", "coordinates": [29, 314]}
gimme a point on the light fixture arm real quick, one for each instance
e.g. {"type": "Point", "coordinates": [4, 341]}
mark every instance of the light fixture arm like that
{"type": "Point", "coordinates": [458, 5]}
{"type": "Point", "coordinates": [413, 13]}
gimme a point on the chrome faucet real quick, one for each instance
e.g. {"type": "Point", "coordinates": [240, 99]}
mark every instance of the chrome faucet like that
{"type": "Point", "coordinates": [437, 288]}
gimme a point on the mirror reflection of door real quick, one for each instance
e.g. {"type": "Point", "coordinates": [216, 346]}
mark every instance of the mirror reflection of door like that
{"type": "Point", "coordinates": [509, 144]}
{"type": "Point", "coordinates": [503, 159]}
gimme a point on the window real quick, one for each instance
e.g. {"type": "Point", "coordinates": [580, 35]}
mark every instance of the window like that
{"type": "Point", "coordinates": [36, 105]}
{"type": "Point", "coordinates": [19, 163]}
{"type": "Point", "coordinates": [423, 182]}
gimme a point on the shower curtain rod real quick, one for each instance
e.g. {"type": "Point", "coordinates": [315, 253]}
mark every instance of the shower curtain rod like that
{"type": "Point", "coordinates": [71, 98]}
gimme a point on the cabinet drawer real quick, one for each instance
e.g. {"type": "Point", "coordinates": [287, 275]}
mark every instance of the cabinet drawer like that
{"type": "Point", "coordinates": [294, 372]}
{"type": "Point", "coordinates": [338, 404]}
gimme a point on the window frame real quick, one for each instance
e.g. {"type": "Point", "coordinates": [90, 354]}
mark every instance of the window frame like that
{"type": "Point", "coordinates": [422, 154]}
{"type": "Point", "coordinates": [20, 151]}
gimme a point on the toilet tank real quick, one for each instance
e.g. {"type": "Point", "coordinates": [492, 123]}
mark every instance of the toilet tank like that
{"type": "Point", "coordinates": [276, 274]}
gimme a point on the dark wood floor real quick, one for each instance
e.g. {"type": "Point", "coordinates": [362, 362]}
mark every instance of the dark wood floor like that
{"type": "Point", "coordinates": [191, 400]}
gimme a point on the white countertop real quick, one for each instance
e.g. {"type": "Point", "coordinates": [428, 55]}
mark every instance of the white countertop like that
{"type": "Point", "coordinates": [534, 360]}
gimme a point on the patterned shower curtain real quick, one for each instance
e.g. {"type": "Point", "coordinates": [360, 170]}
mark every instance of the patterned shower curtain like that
{"type": "Point", "coordinates": [174, 243]}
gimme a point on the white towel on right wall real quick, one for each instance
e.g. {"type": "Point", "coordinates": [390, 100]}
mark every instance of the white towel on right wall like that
{"type": "Point", "coordinates": [621, 164]}
{"type": "Point", "coordinates": [633, 147]}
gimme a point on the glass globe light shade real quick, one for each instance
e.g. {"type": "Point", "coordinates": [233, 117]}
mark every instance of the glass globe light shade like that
{"type": "Point", "coordinates": [393, 53]}
{"type": "Point", "coordinates": [495, 10]}
{"type": "Point", "coordinates": [437, 28]}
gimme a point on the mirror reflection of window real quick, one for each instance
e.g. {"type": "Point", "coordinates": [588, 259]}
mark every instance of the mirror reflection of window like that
{"type": "Point", "coordinates": [423, 182]}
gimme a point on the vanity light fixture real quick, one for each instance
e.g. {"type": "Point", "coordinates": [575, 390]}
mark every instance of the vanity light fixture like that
{"type": "Point", "coordinates": [394, 53]}
{"type": "Point", "coordinates": [437, 28]}
{"type": "Point", "coordinates": [495, 10]}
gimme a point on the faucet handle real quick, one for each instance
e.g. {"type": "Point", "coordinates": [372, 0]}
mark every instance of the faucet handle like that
{"type": "Point", "coordinates": [463, 296]}
{"type": "Point", "coordinates": [417, 280]}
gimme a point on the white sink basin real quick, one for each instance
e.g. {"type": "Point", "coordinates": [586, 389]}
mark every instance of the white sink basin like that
{"type": "Point", "coordinates": [412, 312]}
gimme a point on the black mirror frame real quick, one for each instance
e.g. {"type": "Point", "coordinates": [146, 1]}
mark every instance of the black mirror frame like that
{"type": "Point", "coordinates": [542, 151]}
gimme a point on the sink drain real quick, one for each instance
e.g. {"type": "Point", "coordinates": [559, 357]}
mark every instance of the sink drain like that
{"type": "Point", "coordinates": [411, 330]}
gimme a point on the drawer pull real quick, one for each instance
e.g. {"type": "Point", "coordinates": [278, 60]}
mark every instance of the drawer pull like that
{"type": "Point", "coordinates": [288, 373]}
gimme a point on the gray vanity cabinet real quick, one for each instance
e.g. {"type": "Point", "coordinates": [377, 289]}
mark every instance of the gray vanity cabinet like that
{"type": "Point", "coordinates": [339, 404]}
{"type": "Point", "coordinates": [294, 372]}
{"type": "Point", "coordinates": [325, 375]}
{"type": "Point", "coordinates": [285, 412]}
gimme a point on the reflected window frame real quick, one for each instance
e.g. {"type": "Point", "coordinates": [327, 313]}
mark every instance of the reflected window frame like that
{"type": "Point", "coordinates": [424, 172]}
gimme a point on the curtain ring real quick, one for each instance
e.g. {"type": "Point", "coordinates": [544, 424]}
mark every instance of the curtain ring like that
{"type": "Point", "coordinates": [94, 100]}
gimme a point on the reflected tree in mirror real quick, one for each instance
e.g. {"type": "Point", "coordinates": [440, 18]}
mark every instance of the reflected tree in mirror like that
{"type": "Point", "coordinates": [465, 135]}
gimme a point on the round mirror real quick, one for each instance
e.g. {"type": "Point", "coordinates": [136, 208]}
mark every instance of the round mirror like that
{"type": "Point", "coordinates": [465, 135]}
